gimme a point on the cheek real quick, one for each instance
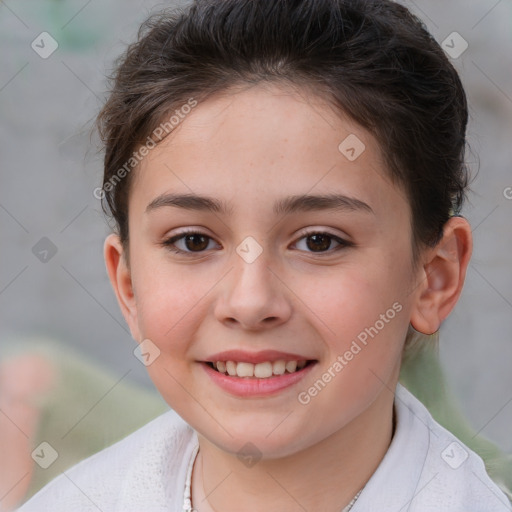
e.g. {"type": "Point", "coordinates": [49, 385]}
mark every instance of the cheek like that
{"type": "Point", "coordinates": [168, 304]}
{"type": "Point", "coordinates": [169, 309]}
{"type": "Point", "coordinates": [346, 301]}
{"type": "Point", "coordinates": [361, 315]}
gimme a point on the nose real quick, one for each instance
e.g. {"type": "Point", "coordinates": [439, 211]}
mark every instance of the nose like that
{"type": "Point", "coordinates": [253, 297]}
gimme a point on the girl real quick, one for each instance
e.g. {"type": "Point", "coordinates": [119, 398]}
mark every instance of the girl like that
{"type": "Point", "coordinates": [286, 180]}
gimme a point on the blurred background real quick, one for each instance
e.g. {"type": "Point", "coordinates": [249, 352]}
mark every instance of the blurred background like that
{"type": "Point", "coordinates": [53, 282]}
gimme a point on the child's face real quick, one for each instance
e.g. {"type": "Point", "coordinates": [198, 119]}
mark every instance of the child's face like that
{"type": "Point", "coordinates": [310, 297]}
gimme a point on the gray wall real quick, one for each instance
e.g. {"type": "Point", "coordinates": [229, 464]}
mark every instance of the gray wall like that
{"type": "Point", "coordinates": [49, 168]}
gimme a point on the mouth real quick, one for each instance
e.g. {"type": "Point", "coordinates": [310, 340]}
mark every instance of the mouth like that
{"type": "Point", "coordinates": [262, 370]}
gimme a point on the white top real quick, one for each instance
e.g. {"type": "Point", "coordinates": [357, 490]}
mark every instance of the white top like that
{"type": "Point", "coordinates": [426, 468]}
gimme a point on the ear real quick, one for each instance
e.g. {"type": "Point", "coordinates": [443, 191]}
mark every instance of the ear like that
{"type": "Point", "coordinates": [121, 280]}
{"type": "Point", "coordinates": [442, 276]}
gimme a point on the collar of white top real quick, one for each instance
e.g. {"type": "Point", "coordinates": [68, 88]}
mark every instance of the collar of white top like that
{"type": "Point", "coordinates": [187, 499]}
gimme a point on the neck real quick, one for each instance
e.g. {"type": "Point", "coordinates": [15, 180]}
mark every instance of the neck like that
{"type": "Point", "coordinates": [325, 476]}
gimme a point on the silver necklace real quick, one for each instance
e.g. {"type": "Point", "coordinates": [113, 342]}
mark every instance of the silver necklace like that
{"type": "Point", "coordinates": [187, 500]}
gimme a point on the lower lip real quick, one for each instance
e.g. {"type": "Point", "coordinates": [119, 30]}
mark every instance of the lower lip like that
{"type": "Point", "coordinates": [254, 387]}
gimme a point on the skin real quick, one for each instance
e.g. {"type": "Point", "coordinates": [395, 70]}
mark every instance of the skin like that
{"type": "Point", "coordinates": [251, 147]}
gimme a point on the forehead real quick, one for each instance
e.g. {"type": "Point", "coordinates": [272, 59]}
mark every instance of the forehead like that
{"type": "Point", "coordinates": [265, 142]}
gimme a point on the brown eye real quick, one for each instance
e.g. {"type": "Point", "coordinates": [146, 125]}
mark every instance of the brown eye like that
{"type": "Point", "coordinates": [319, 242]}
{"type": "Point", "coordinates": [190, 242]}
{"type": "Point", "coordinates": [196, 242]}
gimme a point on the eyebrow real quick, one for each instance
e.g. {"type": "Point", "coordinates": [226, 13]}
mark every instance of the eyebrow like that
{"type": "Point", "coordinates": [285, 206]}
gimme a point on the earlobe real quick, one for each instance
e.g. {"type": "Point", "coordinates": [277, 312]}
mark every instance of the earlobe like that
{"type": "Point", "coordinates": [121, 280]}
{"type": "Point", "coordinates": [443, 275]}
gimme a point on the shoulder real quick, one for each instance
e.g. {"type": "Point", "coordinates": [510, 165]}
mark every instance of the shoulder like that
{"type": "Point", "coordinates": [427, 469]}
{"type": "Point", "coordinates": [453, 477]}
{"type": "Point", "coordinates": [142, 468]}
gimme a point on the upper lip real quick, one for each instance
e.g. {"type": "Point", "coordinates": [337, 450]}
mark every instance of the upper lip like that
{"type": "Point", "coordinates": [255, 357]}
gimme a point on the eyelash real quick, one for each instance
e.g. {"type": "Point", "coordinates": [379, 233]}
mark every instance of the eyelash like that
{"type": "Point", "coordinates": [169, 243]}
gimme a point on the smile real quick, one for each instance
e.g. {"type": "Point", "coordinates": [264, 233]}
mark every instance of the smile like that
{"type": "Point", "coordinates": [257, 380]}
{"type": "Point", "coordinates": [263, 370]}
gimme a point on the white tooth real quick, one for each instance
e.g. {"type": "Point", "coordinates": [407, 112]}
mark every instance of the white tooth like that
{"type": "Point", "coordinates": [263, 370]}
{"type": "Point", "coordinates": [291, 366]}
{"type": "Point", "coordinates": [279, 367]}
{"type": "Point", "coordinates": [221, 366]}
{"type": "Point", "coordinates": [301, 364]}
{"type": "Point", "coordinates": [231, 367]}
{"type": "Point", "coordinates": [245, 369]}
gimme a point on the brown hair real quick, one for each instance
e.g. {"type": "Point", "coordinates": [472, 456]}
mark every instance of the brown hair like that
{"type": "Point", "coordinates": [372, 59]}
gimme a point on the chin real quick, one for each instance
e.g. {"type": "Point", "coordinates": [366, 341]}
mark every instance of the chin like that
{"type": "Point", "coordinates": [247, 443]}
